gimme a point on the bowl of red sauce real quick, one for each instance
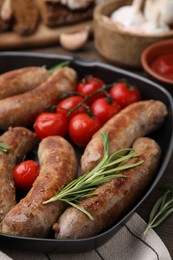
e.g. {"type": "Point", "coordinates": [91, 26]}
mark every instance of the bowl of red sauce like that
{"type": "Point", "coordinates": [157, 60]}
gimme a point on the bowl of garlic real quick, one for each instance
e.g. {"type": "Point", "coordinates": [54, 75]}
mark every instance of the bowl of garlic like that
{"type": "Point", "coordinates": [124, 28]}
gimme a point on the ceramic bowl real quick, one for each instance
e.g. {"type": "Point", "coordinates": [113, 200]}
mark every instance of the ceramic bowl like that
{"type": "Point", "coordinates": [152, 53]}
{"type": "Point", "coordinates": [117, 46]}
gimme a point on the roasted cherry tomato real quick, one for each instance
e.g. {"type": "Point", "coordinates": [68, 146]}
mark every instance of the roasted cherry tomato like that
{"type": "Point", "coordinates": [104, 109]}
{"type": "Point", "coordinates": [82, 127]}
{"type": "Point", "coordinates": [89, 85]}
{"type": "Point", "coordinates": [47, 124]}
{"type": "Point", "coordinates": [125, 94]}
{"type": "Point", "coordinates": [69, 103]}
{"type": "Point", "coordinates": [25, 173]}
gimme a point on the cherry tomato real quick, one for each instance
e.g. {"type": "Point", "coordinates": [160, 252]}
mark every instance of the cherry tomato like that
{"type": "Point", "coordinates": [89, 85]}
{"type": "Point", "coordinates": [104, 110]}
{"type": "Point", "coordinates": [25, 173]}
{"type": "Point", "coordinates": [125, 94]}
{"type": "Point", "coordinates": [47, 124]}
{"type": "Point", "coordinates": [82, 127]}
{"type": "Point", "coordinates": [69, 103]}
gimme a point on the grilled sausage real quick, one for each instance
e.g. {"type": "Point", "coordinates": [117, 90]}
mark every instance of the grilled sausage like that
{"type": "Point", "coordinates": [21, 141]}
{"type": "Point", "coordinates": [58, 166]}
{"type": "Point", "coordinates": [21, 80]}
{"type": "Point", "coordinates": [21, 110]}
{"type": "Point", "coordinates": [113, 199]}
{"type": "Point", "coordinates": [136, 120]}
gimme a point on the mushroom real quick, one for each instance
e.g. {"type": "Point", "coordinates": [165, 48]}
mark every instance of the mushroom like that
{"type": "Point", "coordinates": [74, 40]}
{"type": "Point", "coordinates": [165, 7]}
{"type": "Point", "coordinates": [156, 24]}
{"type": "Point", "coordinates": [129, 15]}
{"type": "Point", "coordinates": [6, 10]}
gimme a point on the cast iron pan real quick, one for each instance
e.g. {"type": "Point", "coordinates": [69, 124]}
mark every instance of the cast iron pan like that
{"type": "Point", "coordinates": [164, 136]}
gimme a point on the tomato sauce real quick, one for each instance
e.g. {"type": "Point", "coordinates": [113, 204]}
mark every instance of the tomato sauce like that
{"type": "Point", "coordinates": [163, 66]}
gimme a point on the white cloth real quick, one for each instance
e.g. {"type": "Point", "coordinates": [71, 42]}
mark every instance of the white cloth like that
{"type": "Point", "coordinates": [131, 244]}
{"type": "Point", "coordinates": [4, 256]}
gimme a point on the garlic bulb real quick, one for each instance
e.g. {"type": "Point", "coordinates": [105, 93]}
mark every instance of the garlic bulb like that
{"type": "Point", "coordinates": [164, 6]}
{"type": "Point", "coordinates": [154, 25]}
{"type": "Point", "coordinates": [129, 15]}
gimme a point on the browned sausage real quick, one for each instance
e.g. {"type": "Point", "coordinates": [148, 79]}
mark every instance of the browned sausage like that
{"type": "Point", "coordinates": [21, 141]}
{"type": "Point", "coordinates": [21, 80]}
{"type": "Point", "coordinates": [113, 199]}
{"type": "Point", "coordinates": [21, 110]}
{"type": "Point", "coordinates": [58, 166]}
{"type": "Point", "coordinates": [136, 120]}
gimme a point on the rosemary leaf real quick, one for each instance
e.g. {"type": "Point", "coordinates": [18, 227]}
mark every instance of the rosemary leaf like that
{"type": "Point", "coordinates": [164, 216]}
{"type": "Point", "coordinates": [101, 180]}
{"type": "Point", "coordinates": [61, 65]}
{"type": "Point", "coordinates": [105, 140]}
{"type": "Point", "coordinates": [4, 148]}
{"type": "Point", "coordinates": [119, 153]}
{"type": "Point", "coordinates": [121, 159]}
{"type": "Point", "coordinates": [158, 206]}
{"type": "Point", "coordinates": [163, 203]}
{"type": "Point", "coordinates": [126, 166]}
{"type": "Point", "coordinates": [155, 209]}
{"type": "Point", "coordinates": [161, 210]}
{"type": "Point", "coordinates": [79, 192]}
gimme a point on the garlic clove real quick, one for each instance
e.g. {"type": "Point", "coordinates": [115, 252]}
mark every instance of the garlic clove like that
{"type": "Point", "coordinates": [75, 40]}
{"type": "Point", "coordinates": [165, 7]}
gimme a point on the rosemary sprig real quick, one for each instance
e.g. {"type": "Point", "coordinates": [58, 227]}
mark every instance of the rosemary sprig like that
{"type": "Point", "coordinates": [161, 210]}
{"type": "Point", "coordinates": [56, 67]}
{"type": "Point", "coordinates": [106, 170]}
{"type": "Point", "coordinates": [3, 147]}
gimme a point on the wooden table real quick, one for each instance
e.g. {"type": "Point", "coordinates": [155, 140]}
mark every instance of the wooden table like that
{"type": "Point", "coordinates": [165, 230]}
